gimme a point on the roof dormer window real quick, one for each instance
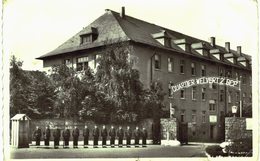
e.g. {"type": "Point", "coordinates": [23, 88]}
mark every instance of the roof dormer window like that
{"type": "Point", "coordinates": [89, 36]}
{"type": "Point", "coordinates": [183, 44]}
{"type": "Point", "coordinates": [85, 39]}
{"type": "Point", "coordinates": [241, 59]}
{"type": "Point", "coordinates": [200, 48]}
{"type": "Point", "coordinates": [163, 38]}
{"type": "Point", "coordinates": [229, 55]}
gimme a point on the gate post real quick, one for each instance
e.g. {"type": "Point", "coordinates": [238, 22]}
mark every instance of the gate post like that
{"type": "Point", "coordinates": [169, 131]}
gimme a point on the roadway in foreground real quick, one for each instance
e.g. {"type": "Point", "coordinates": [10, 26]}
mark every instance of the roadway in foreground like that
{"type": "Point", "coordinates": [151, 151]}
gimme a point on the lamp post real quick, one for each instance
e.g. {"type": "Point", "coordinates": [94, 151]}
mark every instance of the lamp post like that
{"type": "Point", "coordinates": [234, 110]}
{"type": "Point", "coordinates": [240, 97]}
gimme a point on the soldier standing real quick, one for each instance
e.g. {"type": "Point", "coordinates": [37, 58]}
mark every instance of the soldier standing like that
{"type": "Point", "coordinates": [104, 136]}
{"type": "Point", "coordinates": [37, 135]}
{"type": "Point", "coordinates": [144, 137]}
{"type": "Point", "coordinates": [66, 137]}
{"type": "Point", "coordinates": [86, 136]}
{"type": "Point", "coordinates": [95, 136]}
{"type": "Point", "coordinates": [75, 134]}
{"type": "Point", "coordinates": [112, 134]}
{"type": "Point", "coordinates": [120, 135]}
{"type": "Point", "coordinates": [47, 135]}
{"type": "Point", "coordinates": [137, 134]}
{"type": "Point", "coordinates": [56, 136]}
{"type": "Point", "coordinates": [128, 136]}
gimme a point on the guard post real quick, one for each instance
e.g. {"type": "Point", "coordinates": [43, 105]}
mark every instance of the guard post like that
{"type": "Point", "coordinates": [20, 131]}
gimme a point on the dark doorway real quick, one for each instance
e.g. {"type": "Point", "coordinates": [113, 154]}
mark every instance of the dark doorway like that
{"type": "Point", "coordinates": [183, 133]}
{"type": "Point", "coordinates": [156, 133]}
{"type": "Point", "coordinates": [212, 131]}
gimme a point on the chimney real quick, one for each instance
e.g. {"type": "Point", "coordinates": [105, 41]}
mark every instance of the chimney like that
{"type": "Point", "coordinates": [212, 41]}
{"type": "Point", "coordinates": [227, 46]}
{"type": "Point", "coordinates": [239, 50]}
{"type": "Point", "coordinates": [122, 14]}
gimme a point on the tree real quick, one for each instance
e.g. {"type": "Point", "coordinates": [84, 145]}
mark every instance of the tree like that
{"type": "Point", "coordinates": [31, 92]}
{"type": "Point", "coordinates": [69, 91]}
{"type": "Point", "coordinates": [18, 87]}
{"type": "Point", "coordinates": [154, 100]}
{"type": "Point", "coordinates": [119, 91]}
{"type": "Point", "coordinates": [42, 94]}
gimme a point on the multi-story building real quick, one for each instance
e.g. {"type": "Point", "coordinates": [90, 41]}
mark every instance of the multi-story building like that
{"type": "Point", "coordinates": [169, 57]}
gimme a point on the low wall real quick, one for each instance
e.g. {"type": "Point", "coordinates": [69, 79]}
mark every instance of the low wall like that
{"type": "Point", "coordinates": [147, 123]}
{"type": "Point", "coordinates": [235, 128]}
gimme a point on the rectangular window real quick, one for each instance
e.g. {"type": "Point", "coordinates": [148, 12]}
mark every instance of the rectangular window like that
{"type": "Point", "coordinates": [86, 38]}
{"type": "Point", "coordinates": [193, 69]}
{"type": "Point", "coordinates": [229, 97]}
{"type": "Point", "coordinates": [221, 72]}
{"type": "Point", "coordinates": [212, 86]}
{"type": "Point", "coordinates": [193, 93]}
{"type": "Point", "coordinates": [244, 97]}
{"type": "Point", "coordinates": [203, 70]}
{"type": "Point", "coordinates": [244, 79]}
{"type": "Point", "coordinates": [237, 96]}
{"type": "Point", "coordinates": [221, 97]}
{"type": "Point", "coordinates": [203, 93]}
{"type": "Point", "coordinates": [182, 92]}
{"type": "Point", "coordinates": [203, 116]}
{"type": "Point", "coordinates": [97, 60]}
{"type": "Point", "coordinates": [236, 76]}
{"type": "Point", "coordinates": [68, 63]}
{"type": "Point", "coordinates": [228, 74]}
{"type": "Point", "coordinates": [193, 117]}
{"type": "Point", "coordinates": [170, 90]}
{"type": "Point", "coordinates": [157, 61]}
{"type": "Point", "coordinates": [182, 64]}
{"type": "Point", "coordinates": [170, 64]}
{"type": "Point", "coordinates": [182, 116]}
{"type": "Point", "coordinates": [212, 105]}
{"type": "Point", "coordinates": [82, 63]}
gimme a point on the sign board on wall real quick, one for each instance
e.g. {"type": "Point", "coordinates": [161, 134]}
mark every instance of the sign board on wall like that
{"type": "Point", "coordinates": [249, 124]}
{"type": "Point", "coordinates": [212, 118]}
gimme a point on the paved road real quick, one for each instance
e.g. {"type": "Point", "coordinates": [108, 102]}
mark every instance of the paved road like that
{"type": "Point", "coordinates": [150, 151]}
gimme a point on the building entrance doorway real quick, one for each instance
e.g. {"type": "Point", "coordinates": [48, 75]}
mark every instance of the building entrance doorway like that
{"type": "Point", "coordinates": [212, 132]}
{"type": "Point", "coordinates": [183, 133]}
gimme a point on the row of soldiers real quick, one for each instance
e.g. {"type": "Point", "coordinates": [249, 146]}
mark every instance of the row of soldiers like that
{"type": "Point", "coordinates": [96, 133]}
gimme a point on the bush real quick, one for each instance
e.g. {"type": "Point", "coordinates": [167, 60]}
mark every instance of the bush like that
{"type": "Point", "coordinates": [240, 147]}
{"type": "Point", "coordinates": [215, 150]}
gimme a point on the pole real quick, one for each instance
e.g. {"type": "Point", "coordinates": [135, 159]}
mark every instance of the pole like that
{"type": "Point", "coordinates": [240, 97]}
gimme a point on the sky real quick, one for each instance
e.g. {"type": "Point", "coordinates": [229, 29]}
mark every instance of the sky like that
{"type": "Point", "coordinates": [35, 27]}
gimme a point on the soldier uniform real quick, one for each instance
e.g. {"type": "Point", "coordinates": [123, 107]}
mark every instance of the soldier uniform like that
{"type": "Point", "coordinates": [137, 134]}
{"type": "Point", "coordinates": [112, 134]}
{"type": "Point", "coordinates": [75, 134]}
{"type": "Point", "coordinates": [95, 135]}
{"type": "Point", "coordinates": [37, 135]}
{"type": "Point", "coordinates": [104, 136]}
{"type": "Point", "coordinates": [120, 135]}
{"type": "Point", "coordinates": [128, 136]}
{"type": "Point", "coordinates": [144, 137]}
{"type": "Point", "coordinates": [86, 136]}
{"type": "Point", "coordinates": [56, 136]}
{"type": "Point", "coordinates": [47, 135]}
{"type": "Point", "coordinates": [66, 138]}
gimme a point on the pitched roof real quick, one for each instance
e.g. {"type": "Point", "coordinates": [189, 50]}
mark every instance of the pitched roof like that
{"type": "Point", "coordinates": [108, 28]}
{"type": "Point", "coordinates": [113, 27]}
{"type": "Point", "coordinates": [20, 117]}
